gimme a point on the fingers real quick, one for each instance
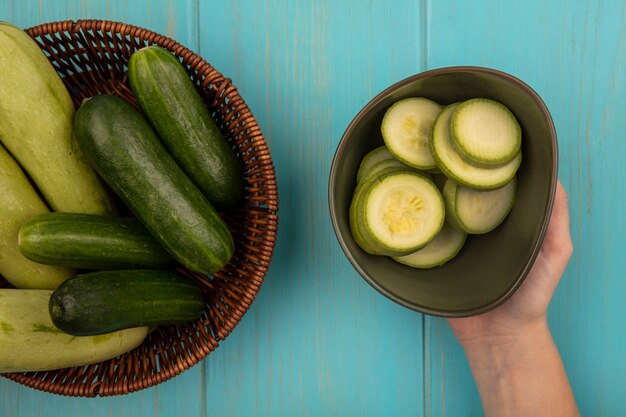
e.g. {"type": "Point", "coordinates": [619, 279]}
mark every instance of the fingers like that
{"type": "Point", "coordinates": [558, 243]}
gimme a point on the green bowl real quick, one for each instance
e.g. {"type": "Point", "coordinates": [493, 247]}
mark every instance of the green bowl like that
{"type": "Point", "coordinates": [490, 267]}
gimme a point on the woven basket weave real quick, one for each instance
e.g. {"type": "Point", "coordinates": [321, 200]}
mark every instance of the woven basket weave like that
{"type": "Point", "coordinates": [91, 58]}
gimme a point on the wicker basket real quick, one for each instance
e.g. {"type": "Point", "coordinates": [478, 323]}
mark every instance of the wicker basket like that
{"type": "Point", "coordinates": [91, 57]}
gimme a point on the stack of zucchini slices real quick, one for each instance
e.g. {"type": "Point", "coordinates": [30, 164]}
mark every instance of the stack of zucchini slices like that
{"type": "Point", "coordinates": [443, 173]}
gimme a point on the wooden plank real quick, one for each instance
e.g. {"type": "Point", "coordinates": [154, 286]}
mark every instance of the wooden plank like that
{"type": "Point", "coordinates": [179, 396]}
{"type": "Point", "coordinates": [573, 55]}
{"type": "Point", "coordinates": [318, 340]}
{"type": "Point", "coordinates": [182, 395]}
{"type": "Point", "coordinates": [174, 18]}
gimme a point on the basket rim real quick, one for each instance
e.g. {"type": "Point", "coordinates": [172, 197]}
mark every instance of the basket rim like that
{"type": "Point", "coordinates": [195, 62]}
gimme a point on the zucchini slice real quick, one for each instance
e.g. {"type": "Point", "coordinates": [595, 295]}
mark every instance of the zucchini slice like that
{"type": "Point", "coordinates": [386, 166]}
{"type": "Point", "coordinates": [457, 168]}
{"type": "Point", "coordinates": [406, 130]}
{"type": "Point", "coordinates": [398, 212]}
{"type": "Point", "coordinates": [478, 211]}
{"type": "Point", "coordinates": [485, 132]}
{"type": "Point", "coordinates": [381, 166]}
{"type": "Point", "coordinates": [356, 232]}
{"type": "Point", "coordinates": [355, 219]}
{"type": "Point", "coordinates": [445, 246]}
{"type": "Point", "coordinates": [372, 158]}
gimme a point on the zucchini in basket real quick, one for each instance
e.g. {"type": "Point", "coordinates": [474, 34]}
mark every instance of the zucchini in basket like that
{"type": "Point", "coordinates": [30, 342]}
{"type": "Point", "coordinates": [36, 114]}
{"type": "Point", "coordinates": [18, 203]}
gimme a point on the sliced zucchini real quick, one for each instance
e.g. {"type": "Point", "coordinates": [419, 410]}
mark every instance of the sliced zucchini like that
{"type": "Point", "coordinates": [440, 250]}
{"type": "Point", "coordinates": [375, 169]}
{"type": "Point", "coordinates": [457, 168]}
{"type": "Point", "coordinates": [356, 220]}
{"type": "Point", "coordinates": [398, 212]}
{"type": "Point", "coordinates": [355, 229]}
{"type": "Point", "coordinates": [372, 158]}
{"type": "Point", "coordinates": [406, 130]}
{"type": "Point", "coordinates": [478, 211]}
{"type": "Point", "coordinates": [381, 166]}
{"type": "Point", "coordinates": [485, 132]}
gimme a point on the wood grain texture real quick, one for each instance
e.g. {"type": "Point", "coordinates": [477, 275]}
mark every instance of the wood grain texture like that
{"type": "Point", "coordinates": [174, 18]}
{"type": "Point", "coordinates": [573, 55]}
{"type": "Point", "coordinates": [319, 341]}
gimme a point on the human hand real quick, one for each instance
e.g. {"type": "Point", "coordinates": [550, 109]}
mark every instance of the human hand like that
{"type": "Point", "coordinates": [516, 365]}
{"type": "Point", "coordinates": [526, 310]}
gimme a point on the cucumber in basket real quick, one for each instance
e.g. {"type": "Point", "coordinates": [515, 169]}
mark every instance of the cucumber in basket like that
{"type": "Point", "coordinates": [36, 114]}
{"type": "Point", "coordinates": [18, 203]}
{"type": "Point", "coordinates": [125, 151]}
{"type": "Point", "coordinates": [457, 168]}
{"type": "Point", "coordinates": [485, 132]}
{"type": "Point", "coordinates": [398, 212]}
{"type": "Point", "coordinates": [171, 103]}
{"type": "Point", "coordinates": [30, 342]}
{"type": "Point", "coordinates": [440, 250]}
{"type": "Point", "coordinates": [89, 241]}
{"type": "Point", "coordinates": [102, 302]}
{"type": "Point", "coordinates": [406, 130]}
{"type": "Point", "coordinates": [478, 211]}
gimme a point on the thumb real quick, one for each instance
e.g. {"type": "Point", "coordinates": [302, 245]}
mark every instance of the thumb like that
{"type": "Point", "coordinates": [557, 245]}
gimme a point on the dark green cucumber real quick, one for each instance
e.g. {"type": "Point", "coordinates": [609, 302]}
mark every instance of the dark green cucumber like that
{"type": "Point", "coordinates": [90, 241]}
{"type": "Point", "coordinates": [171, 103]}
{"type": "Point", "coordinates": [127, 154]}
{"type": "Point", "coordinates": [103, 302]}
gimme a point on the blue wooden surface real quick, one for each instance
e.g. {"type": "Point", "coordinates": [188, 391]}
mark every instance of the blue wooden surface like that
{"type": "Point", "coordinates": [318, 341]}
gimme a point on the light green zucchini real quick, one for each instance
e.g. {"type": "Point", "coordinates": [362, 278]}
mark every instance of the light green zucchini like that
{"type": "Point", "coordinates": [36, 114]}
{"type": "Point", "coordinates": [440, 250]}
{"type": "Point", "coordinates": [372, 158]}
{"type": "Point", "coordinates": [19, 202]}
{"type": "Point", "coordinates": [454, 166]}
{"type": "Point", "coordinates": [30, 342]}
{"type": "Point", "coordinates": [485, 132]}
{"type": "Point", "coordinates": [478, 211]}
{"type": "Point", "coordinates": [397, 212]}
{"type": "Point", "coordinates": [375, 170]}
{"type": "Point", "coordinates": [406, 130]}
